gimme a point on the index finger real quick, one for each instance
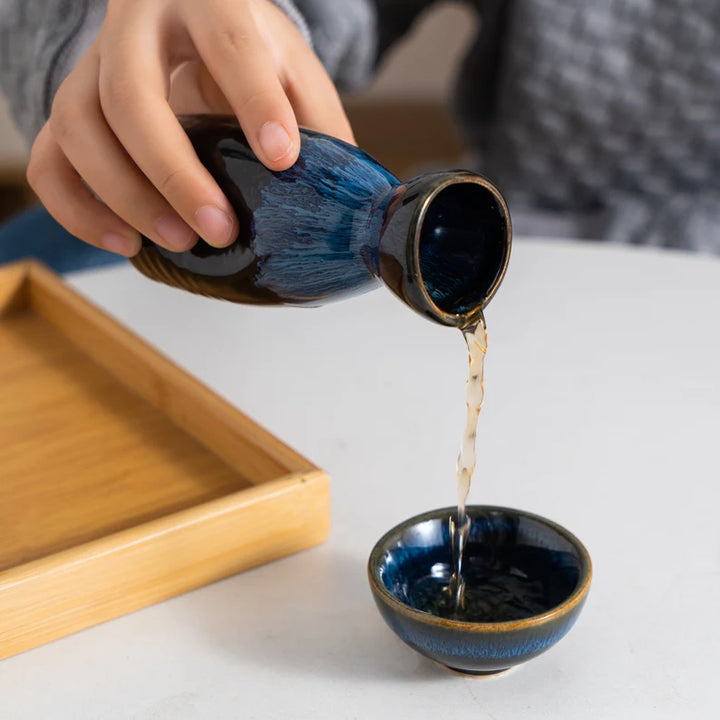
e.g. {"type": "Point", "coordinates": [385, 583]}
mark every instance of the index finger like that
{"type": "Point", "coordinates": [133, 94]}
{"type": "Point", "coordinates": [229, 43]}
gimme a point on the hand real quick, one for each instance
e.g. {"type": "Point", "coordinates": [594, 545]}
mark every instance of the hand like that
{"type": "Point", "coordinates": [113, 159]}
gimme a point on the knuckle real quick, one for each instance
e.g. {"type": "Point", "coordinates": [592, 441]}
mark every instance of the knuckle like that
{"type": "Point", "coordinates": [116, 90]}
{"type": "Point", "coordinates": [62, 120]}
{"type": "Point", "coordinates": [230, 40]}
{"type": "Point", "coordinates": [37, 163]}
{"type": "Point", "coordinates": [33, 173]}
{"type": "Point", "coordinates": [256, 101]}
{"type": "Point", "coordinates": [172, 181]}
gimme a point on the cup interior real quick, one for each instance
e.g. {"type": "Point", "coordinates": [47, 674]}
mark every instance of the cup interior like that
{"type": "Point", "coordinates": [516, 565]}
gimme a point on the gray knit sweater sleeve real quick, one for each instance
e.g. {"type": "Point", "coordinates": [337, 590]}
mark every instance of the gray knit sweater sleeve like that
{"type": "Point", "coordinates": [41, 40]}
{"type": "Point", "coordinates": [344, 35]}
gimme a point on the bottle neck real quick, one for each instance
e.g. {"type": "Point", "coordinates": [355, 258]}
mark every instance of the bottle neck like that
{"type": "Point", "coordinates": [444, 245]}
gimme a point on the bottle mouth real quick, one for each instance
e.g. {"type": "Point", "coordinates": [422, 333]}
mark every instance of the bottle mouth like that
{"type": "Point", "coordinates": [461, 247]}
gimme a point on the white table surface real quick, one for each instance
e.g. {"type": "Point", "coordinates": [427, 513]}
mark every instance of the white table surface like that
{"type": "Point", "coordinates": [602, 413]}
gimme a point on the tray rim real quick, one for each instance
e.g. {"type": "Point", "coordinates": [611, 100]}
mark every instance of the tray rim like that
{"type": "Point", "coordinates": [175, 520]}
{"type": "Point", "coordinates": [287, 481]}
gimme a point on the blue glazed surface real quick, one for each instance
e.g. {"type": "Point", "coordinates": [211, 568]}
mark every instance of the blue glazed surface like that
{"type": "Point", "coordinates": [336, 223]}
{"type": "Point", "coordinates": [326, 240]}
{"type": "Point", "coordinates": [546, 554]}
{"type": "Point", "coordinates": [307, 234]}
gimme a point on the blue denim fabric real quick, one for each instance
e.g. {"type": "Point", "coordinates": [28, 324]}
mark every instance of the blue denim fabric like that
{"type": "Point", "coordinates": [34, 234]}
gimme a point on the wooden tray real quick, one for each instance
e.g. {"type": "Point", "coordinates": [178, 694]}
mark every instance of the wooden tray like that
{"type": "Point", "coordinates": [124, 481]}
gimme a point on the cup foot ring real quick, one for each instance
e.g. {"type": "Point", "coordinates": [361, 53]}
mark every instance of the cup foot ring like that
{"type": "Point", "coordinates": [478, 673]}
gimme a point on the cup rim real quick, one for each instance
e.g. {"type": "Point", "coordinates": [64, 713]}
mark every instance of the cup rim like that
{"type": "Point", "coordinates": [570, 603]}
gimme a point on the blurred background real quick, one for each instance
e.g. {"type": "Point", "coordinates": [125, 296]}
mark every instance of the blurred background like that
{"type": "Point", "coordinates": [403, 119]}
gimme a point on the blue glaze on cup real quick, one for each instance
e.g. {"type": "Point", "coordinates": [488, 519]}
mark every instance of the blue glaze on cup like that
{"type": "Point", "coordinates": [548, 552]}
{"type": "Point", "coordinates": [338, 223]}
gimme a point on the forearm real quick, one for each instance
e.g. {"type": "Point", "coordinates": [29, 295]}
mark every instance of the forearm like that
{"type": "Point", "coordinates": [42, 40]}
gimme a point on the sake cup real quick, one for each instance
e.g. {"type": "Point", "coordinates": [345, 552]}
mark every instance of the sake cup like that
{"type": "Point", "coordinates": [526, 581]}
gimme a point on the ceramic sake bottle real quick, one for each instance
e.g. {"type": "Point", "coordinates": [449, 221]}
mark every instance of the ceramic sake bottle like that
{"type": "Point", "coordinates": [337, 223]}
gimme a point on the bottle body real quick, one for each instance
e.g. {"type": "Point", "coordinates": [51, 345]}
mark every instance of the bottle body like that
{"type": "Point", "coordinates": [307, 234]}
{"type": "Point", "coordinates": [337, 223]}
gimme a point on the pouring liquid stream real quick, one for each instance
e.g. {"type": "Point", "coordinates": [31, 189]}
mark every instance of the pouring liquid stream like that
{"type": "Point", "coordinates": [480, 588]}
{"type": "Point", "coordinates": [476, 339]}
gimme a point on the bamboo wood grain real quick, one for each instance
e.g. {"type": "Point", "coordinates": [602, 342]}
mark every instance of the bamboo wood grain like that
{"type": "Point", "coordinates": [13, 288]}
{"type": "Point", "coordinates": [123, 480]}
{"type": "Point", "coordinates": [189, 403]}
{"type": "Point", "coordinates": [75, 589]}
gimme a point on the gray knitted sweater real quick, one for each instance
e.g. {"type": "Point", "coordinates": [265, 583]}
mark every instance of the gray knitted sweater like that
{"type": "Point", "coordinates": [596, 119]}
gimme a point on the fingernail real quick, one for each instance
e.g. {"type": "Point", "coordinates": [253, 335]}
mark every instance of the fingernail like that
{"type": "Point", "coordinates": [119, 244]}
{"type": "Point", "coordinates": [274, 141]}
{"type": "Point", "coordinates": [215, 225]}
{"type": "Point", "coordinates": [175, 233]}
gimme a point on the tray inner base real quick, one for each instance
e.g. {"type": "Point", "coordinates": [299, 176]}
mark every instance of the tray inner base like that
{"type": "Point", "coordinates": [81, 456]}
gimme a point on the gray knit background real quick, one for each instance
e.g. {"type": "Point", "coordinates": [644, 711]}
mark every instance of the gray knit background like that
{"type": "Point", "coordinates": [602, 115]}
{"type": "Point", "coordinates": [610, 107]}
